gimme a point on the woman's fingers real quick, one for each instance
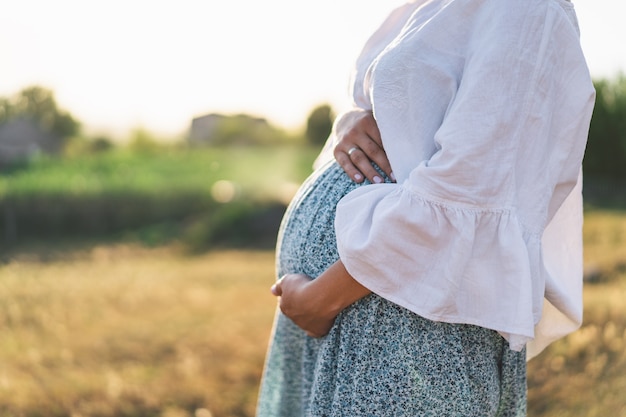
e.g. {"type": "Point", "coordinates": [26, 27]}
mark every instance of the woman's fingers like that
{"type": "Point", "coordinates": [359, 145]}
{"type": "Point", "coordinates": [300, 305]}
{"type": "Point", "coordinates": [357, 165]}
{"type": "Point", "coordinates": [344, 160]}
{"type": "Point", "coordinates": [277, 288]}
{"type": "Point", "coordinates": [356, 161]}
{"type": "Point", "coordinates": [374, 152]}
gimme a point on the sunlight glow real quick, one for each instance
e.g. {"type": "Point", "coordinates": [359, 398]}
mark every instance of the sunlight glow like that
{"type": "Point", "coordinates": [123, 64]}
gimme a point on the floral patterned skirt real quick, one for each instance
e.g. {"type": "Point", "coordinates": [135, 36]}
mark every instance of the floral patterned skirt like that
{"type": "Point", "coordinates": [379, 359]}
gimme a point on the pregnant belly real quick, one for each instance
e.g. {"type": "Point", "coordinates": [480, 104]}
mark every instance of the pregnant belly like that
{"type": "Point", "coordinates": [306, 241]}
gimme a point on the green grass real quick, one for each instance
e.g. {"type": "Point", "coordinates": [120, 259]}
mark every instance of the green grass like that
{"type": "Point", "coordinates": [167, 171]}
{"type": "Point", "coordinates": [169, 191]}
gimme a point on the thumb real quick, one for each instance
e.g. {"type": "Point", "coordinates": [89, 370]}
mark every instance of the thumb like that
{"type": "Point", "coordinates": [277, 288]}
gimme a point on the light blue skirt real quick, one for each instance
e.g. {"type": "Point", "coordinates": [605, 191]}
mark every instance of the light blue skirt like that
{"type": "Point", "coordinates": [379, 359]}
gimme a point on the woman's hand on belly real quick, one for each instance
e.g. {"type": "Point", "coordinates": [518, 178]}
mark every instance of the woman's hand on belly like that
{"type": "Point", "coordinates": [305, 306]}
{"type": "Point", "coordinates": [359, 144]}
{"type": "Point", "coordinates": [313, 305]}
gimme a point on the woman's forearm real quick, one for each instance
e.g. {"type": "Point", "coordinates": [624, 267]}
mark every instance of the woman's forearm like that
{"type": "Point", "coordinates": [314, 304]}
{"type": "Point", "coordinates": [338, 288]}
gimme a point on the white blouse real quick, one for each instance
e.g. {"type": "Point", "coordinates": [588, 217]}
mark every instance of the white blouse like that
{"type": "Point", "coordinates": [483, 107]}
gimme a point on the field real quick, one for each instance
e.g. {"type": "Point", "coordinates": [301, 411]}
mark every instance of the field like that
{"type": "Point", "coordinates": [126, 331]}
{"type": "Point", "coordinates": [134, 325]}
{"type": "Point", "coordinates": [121, 330]}
{"type": "Point", "coordinates": [584, 375]}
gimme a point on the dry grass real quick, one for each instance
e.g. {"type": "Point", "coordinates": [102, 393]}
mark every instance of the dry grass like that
{"type": "Point", "coordinates": [604, 235]}
{"type": "Point", "coordinates": [584, 375]}
{"type": "Point", "coordinates": [121, 331]}
{"type": "Point", "coordinates": [124, 331]}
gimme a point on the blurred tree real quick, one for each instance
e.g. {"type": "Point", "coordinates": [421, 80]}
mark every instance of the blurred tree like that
{"type": "Point", "coordinates": [86, 145]}
{"type": "Point", "coordinates": [319, 124]}
{"type": "Point", "coordinates": [38, 104]}
{"type": "Point", "coordinates": [31, 122]}
{"type": "Point", "coordinates": [6, 110]}
{"type": "Point", "coordinates": [100, 144]}
{"type": "Point", "coordinates": [606, 148]}
{"type": "Point", "coordinates": [142, 141]}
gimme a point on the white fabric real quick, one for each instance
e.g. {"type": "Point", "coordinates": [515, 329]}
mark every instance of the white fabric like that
{"type": "Point", "coordinates": [483, 108]}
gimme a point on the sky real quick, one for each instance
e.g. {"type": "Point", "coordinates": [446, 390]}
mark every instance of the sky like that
{"type": "Point", "coordinates": [156, 64]}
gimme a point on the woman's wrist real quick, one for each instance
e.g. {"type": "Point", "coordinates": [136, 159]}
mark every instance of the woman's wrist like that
{"type": "Point", "coordinates": [314, 304]}
{"type": "Point", "coordinates": [336, 289]}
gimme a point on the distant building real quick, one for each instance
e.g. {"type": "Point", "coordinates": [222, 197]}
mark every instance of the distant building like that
{"type": "Point", "coordinates": [21, 139]}
{"type": "Point", "coordinates": [204, 129]}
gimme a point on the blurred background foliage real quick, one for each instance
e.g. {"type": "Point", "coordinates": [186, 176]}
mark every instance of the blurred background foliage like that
{"type": "Point", "coordinates": [37, 104]}
{"type": "Point", "coordinates": [319, 124]}
{"type": "Point", "coordinates": [230, 188]}
{"type": "Point", "coordinates": [96, 186]}
{"type": "Point", "coordinates": [606, 149]}
{"type": "Point", "coordinates": [118, 267]}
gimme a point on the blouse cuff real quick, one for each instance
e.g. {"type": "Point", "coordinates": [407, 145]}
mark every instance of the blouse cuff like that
{"type": "Point", "coordinates": [443, 262]}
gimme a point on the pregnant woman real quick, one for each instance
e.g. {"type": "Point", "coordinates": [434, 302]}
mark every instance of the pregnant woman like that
{"type": "Point", "coordinates": [422, 290]}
